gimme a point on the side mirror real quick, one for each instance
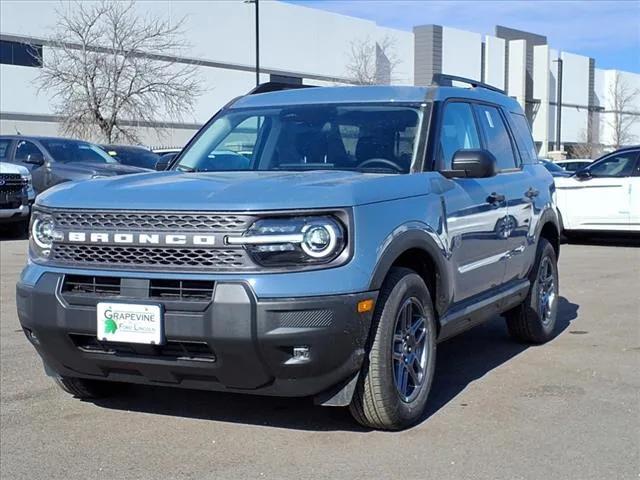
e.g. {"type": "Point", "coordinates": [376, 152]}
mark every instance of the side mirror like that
{"type": "Point", "coordinates": [34, 159]}
{"type": "Point", "coordinates": [165, 160]}
{"type": "Point", "coordinates": [472, 164]}
{"type": "Point", "coordinates": [583, 174]}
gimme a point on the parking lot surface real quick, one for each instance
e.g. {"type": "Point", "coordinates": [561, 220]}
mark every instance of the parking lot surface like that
{"type": "Point", "coordinates": [498, 410]}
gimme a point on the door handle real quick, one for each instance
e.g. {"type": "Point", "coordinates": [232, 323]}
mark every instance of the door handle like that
{"type": "Point", "coordinates": [531, 193]}
{"type": "Point", "coordinates": [495, 198]}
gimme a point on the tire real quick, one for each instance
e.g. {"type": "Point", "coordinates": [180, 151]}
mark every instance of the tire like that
{"type": "Point", "coordinates": [377, 401]}
{"type": "Point", "coordinates": [88, 389]}
{"type": "Point", "coordinates": [534, 321]}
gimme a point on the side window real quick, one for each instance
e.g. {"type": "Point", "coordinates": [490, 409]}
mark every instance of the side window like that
{"type": "Point", "coordinates": [24, 149]}
{"type": "Point", "coordinates": [4, 149]}
{"type": "Point", "coordinates": [615, 166]}
{"type": "Point", "coordinates": [458, 131]}
{"type": "Point", "coordinates": [526, 147]}
{"type": "Point", "coordinates": [497, 136]}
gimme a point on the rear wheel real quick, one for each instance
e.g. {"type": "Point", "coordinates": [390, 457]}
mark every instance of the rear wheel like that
{"type": "Point", "coordinates": [88, 389]}
{"type": "Point", "coordinates": [534, 320]}
{"type": "Point", "coordinates": [395, 380]}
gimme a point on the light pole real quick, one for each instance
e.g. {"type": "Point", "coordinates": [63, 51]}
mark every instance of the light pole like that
{"type": "Point", "coordinates": [559, 105]}
{"type": "Point", "coordinates": [256, 3]}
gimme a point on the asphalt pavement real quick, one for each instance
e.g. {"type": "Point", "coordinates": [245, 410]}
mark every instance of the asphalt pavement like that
{"type": "Point", "coordinates": [569, 409]}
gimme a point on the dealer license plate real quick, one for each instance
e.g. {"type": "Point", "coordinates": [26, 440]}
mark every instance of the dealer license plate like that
{"type": "Point", "coordinates": [130, 323]}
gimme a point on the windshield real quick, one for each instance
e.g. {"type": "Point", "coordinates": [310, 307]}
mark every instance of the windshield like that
{"type": "Point", "coordinates": [74, 151]}
{"type": "Point", "coordinates": [378, 139]}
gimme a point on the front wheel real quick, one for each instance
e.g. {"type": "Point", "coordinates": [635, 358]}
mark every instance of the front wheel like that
{"type": "Point", "coordinates": [396, 378]}
{"type": "Point", "coordinates": [534, 320]}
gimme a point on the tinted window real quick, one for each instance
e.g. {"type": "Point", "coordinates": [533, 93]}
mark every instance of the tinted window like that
{"type": "Point", "coordinates": [4, 148]}
{"type": "Point", "coordinates": [377, 139]}
{"type": "Point", "coordinates": [16, 53]}
{"type": "Point", "coordinates": [497, 136]}
{"type": "Point", "coordinates": [526, 147]}
{"type": "Point", "coordinates": [74, 151]}
{"type": "Point", "coordinates": [620, 165]}
{"type": "Point", "coordinates": [458, 132]}
{"type": "Point", "coordinates": [24, 149]}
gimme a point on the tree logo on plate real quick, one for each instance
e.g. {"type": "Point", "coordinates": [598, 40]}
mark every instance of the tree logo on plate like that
{"type": "Point", "coordinates": [110, 326]}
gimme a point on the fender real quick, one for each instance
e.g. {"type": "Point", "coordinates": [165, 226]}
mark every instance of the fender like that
{"type": "Point", "coordinates": [419, 236]}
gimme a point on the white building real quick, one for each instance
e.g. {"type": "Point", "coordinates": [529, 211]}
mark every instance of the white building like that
{"type": "Point", "coordinates": [300, 44]}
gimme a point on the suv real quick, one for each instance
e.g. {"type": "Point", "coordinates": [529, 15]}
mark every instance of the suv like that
{"type": "Point", "coordinates": [53, 160]}
{"type": "Point", "coordinates": [355, 229]}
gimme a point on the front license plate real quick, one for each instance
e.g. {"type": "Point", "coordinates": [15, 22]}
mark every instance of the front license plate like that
{"type": "Point", "coordinates": [130, 323]}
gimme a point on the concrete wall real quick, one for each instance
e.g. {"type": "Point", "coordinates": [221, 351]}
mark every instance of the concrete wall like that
{"type": "Point", "coordinates": [517, 73]}
{"type": "Point", "coordinates": [461, 53]}
{"type": "Point", "coordinates": [494, 61]}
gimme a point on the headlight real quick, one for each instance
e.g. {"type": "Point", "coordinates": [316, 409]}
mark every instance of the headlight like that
{"type": "Point", "coordinates": [293, 241]}
{"type": "Point", "coordinates": [26, 180]}
{"type": "Point", "coordinates": [43, 234]}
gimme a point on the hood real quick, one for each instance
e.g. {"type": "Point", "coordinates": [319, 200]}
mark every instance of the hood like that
{"type": "Point", "coordinates": [108, 169]}
{"type": "Point", "coordinates": [235, 191]}
{"type": "Point", "coordinates": [6, 167]}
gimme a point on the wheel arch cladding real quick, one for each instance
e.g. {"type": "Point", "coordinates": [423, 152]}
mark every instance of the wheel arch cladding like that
{"type": "Point", "coordinates": [550, 230]}
{"type": "Point", "coordinates": [416, 250]}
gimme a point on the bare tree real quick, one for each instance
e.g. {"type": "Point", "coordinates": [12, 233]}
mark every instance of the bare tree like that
{"type": "Point", "coordinates": [109, 68]}
{"type": "Point", "coordinates": [622, 117]}
{"type": "Point", "coordinates": [372, 62]}
{"type": "Point", "coordinates": [586, 148]}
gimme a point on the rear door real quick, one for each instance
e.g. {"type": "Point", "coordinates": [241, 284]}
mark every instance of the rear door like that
{"type": "Point", "coordinates": [475, 212]}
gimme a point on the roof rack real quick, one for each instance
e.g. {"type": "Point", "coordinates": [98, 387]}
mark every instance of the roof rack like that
{"type": "Point", "coordinates": [444, 80]}
{"type": "Point", "coordinates": [277, 86]}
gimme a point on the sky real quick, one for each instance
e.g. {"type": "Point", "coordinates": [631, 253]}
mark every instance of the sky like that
{"type": "Point", "coordinates": [608, 31]}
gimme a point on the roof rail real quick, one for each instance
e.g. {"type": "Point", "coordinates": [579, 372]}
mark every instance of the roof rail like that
{"type": "Point", "coordinates": [277, 86]}
{"type": "Point", "coordinates": [444, 80]}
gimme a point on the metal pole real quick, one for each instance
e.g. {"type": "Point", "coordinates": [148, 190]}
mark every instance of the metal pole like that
{"type": "Point", "coordinates": [257, 42]}
{"type": "Point", "coordinates": [559, 106]}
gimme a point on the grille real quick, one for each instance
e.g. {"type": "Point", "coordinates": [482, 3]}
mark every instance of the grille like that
{"type": "Point", "coordinates": [11, 182]}
{"type": "Point", "coordinates": [160, 257]}
{"type": "Point", "coordinates": [185, 350]}
{"type": "Point", "coordinates": [141, 221]}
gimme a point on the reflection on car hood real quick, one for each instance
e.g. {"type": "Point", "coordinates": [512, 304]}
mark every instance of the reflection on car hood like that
{"type": "Point", "coordinates": [6, 167]}
{"type": "Point", "coordinates": [236, 190]}
{"type": "Point", "coordinates": [103, 168]}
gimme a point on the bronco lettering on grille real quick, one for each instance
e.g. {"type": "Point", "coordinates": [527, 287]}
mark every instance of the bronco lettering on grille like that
{"type": "Point", "coordinates": [141, 238]}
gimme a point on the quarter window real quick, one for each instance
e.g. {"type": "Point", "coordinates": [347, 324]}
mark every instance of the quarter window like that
{"type": "Point", "coordinates": [458, 132]}
{"type": "Point", "coordinates": [497, 136]}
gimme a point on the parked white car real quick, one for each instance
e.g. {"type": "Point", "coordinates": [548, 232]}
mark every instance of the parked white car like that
{"type": "Point", "coordinates": [603, 196]}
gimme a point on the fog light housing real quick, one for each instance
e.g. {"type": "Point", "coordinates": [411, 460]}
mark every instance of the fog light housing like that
{"type": "Point", "coordinates": [301, 353]}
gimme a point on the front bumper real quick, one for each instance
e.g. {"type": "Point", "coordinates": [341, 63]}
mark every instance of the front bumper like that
{"type": "Point", "coordinates": [15, 214]}
{"type": "Point", "coordinates": [232, 342]}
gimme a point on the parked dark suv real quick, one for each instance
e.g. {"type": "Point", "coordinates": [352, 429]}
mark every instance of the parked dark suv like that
{"type": "Point", "coordinates": [307, 242]}
{"type": "Point", "coordinates": [53, 160]}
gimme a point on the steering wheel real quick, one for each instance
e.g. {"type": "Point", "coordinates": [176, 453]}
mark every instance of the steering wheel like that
{"type": "Point", "coordinates": [384, 161]}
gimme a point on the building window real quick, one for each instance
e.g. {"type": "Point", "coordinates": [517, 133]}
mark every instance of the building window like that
{"type": "Point", "coordinates": [17, 53]}
{"type": "Point", "coordinates": [285, 79]}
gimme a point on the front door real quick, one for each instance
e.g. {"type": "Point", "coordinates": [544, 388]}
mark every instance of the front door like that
{"type": "Point", "coordinates": [475, 210]}
{"type": "Point", "coordinates": [602, 200]}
